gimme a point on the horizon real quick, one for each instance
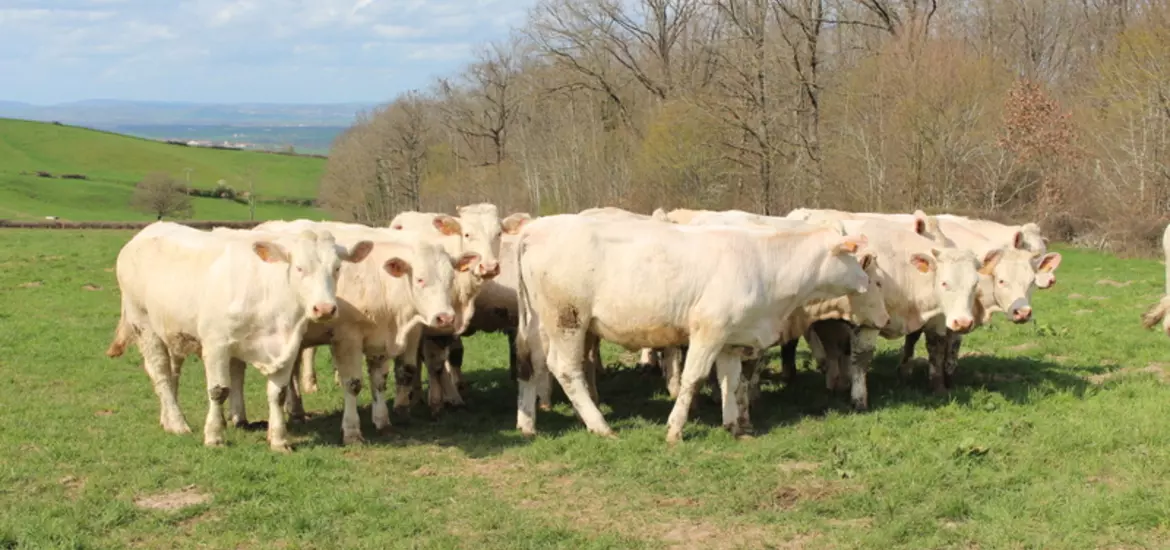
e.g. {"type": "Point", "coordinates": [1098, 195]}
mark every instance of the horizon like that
{"type": "Point", "coordinates": [229, 52]}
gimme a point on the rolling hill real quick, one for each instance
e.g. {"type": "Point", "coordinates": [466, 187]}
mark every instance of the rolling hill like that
{"type": "Point", "coordinates": [114, 163]}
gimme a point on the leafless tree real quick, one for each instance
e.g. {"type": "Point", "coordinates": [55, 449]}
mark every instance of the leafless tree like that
{"type": "Point", "coordinates": [160, 194]}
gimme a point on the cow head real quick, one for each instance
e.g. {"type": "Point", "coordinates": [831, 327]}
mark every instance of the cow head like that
{"type": "Point", "coordinates": [842, 273]}
{"type": "Point", "coordinates": [429, 273]}
{"type": "Point", "coordinates": [955, 277]}
{"type": "Point", "coordinates": [869, 307]}
{"type": "Point", "coordinates": [314, 262]}
{"type": "Point", "coordinates": [481, 234]}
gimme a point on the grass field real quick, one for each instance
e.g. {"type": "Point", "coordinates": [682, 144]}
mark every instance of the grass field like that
{"type": "Point", "coordinates": [115, 163]}
{"type": "Point", "coordinates": [1056, 437]}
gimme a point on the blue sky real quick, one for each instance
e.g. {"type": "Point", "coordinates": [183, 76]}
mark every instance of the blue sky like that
{"type": "Point", "coordinates": [220, 51]}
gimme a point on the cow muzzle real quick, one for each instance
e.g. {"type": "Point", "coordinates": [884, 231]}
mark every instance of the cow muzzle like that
{"type": "Point", "coordinates": [324, 311]}
{"type": "Point", "coordinates": [962, 326]}
{"type": "Point", "coordinates": [1022, 315]}
{"type": "Point", "coordinates": [488, 270]}
{"type": "Point", "coordinates": [443, 320]}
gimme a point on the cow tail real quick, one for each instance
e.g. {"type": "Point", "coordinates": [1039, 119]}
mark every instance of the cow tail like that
{"type": "Point", "coordinates": [122, 336]}
{"type": "Point", "coordinates": [523, 303]}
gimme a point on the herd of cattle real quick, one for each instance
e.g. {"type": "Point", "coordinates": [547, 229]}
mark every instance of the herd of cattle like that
{"type": "Point", "coordinates": [701, 293]}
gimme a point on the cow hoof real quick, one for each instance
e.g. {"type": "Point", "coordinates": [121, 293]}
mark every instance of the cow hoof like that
{"type": "Point", "coordinates": [402, 415]}
{"type": "Point", "coordinates": [352, 440]}
{"type": "Point", "coordinates": [528, 434]}
{"type": "Point", "coordinates": [673, 437]}
{"type": "Point", "coordinates": [213, 441]}
{"type": "Point", "coordinates": [383, 430]}
{"type": "Point", "coordinates": [310, 388]}
{"type": "Point", "coordinates": [437, 412]}
{"type": "Point", "coordinates": [283, 448]}
{"type": "Point", "coordinates": [177, 429]}
{"type": "Point", "coordinates": [544, 407]}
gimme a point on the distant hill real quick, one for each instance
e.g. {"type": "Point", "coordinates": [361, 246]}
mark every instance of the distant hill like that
{"type": "Point", "coordinates": [114, 163]}
{"type": "Point", "coordinates": [107, 112]}
{"type": "Point", "coordinates": [304, 139]}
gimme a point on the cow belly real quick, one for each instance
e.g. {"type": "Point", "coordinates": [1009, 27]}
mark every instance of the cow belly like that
{"type": "Point", "coordinates": [634, 337]}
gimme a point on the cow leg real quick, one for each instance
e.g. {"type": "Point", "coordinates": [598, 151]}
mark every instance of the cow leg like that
{"type": "Point", "coordinates": [377, 365]}
{"type": "Point", "coordinates": [567, 362]}
{"type": "Point", "coordinates": [531, 379]}
{"type": "Point", "coordinates": [308, 371]}
{"type": "Point", "coordinates": [347, 357]}
{"type": "Point", "coordinates": [700, 355]}
{"type": "Point", "coordinates": [936, 348]}
{"type": "Point", "coordinates": [237, 370]}
{"type": "Point", "coordinates": [455, 368]}
{"type": "Point", "coordinates": [406, 376]}
{"type": "Point", "coordinates": [747, 391]}
{"type": "Point", "coordinates": [157, 363]}
{"type": "Point", "coordinates": [648, 359]}
{"type": "Point", "coordinates": [788, 360]}
{"type": "Point", "coordinates": [511, 334]}
{"type": "Point", "coordinates": [278, 383]}
{"type": "Point", "coordinates": [435, 359]}
{"type": "Point", "coordinates": [862, 345]}
{"type": "Point", "coordinates": [294, 405]}
{"type": "Point", "coordinates": [217, 366]}
{"type": "Point", "coordinates": [954, 345]}
{"type": "Point", "coordinates": [906, 367]}
{"type": "Point", "coordinates": [729, 367]}
{"type": "Point", "coordinates": [593, 365]}
{"type": "Point", "coordinates": [450, 379]}
{"type": "Point", "coordinates": [672, 369]}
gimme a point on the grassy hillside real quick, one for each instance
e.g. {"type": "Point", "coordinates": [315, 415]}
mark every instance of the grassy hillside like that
{"type": "Point", "coordinates": [114, 163]}
{"type": "Point", "coordinates": [1055, 437]}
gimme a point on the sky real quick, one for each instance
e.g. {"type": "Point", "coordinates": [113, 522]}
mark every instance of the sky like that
{"type": "Point", "coordinates": [233, 51]}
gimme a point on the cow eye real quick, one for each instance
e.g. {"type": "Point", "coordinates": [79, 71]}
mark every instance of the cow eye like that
{"type": "Point", "coordinates": [421, 282]}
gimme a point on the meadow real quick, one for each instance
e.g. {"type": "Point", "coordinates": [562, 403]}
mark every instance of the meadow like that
{"type": "Point", "coordinates": [114, 163]}
{"type": "Point", "coordinates": [1055, 437]}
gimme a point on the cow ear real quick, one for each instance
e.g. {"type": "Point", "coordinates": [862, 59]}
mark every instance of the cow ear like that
{"type": "Point", "coordinates": [849, 244]}
{"type": "Point", "coordinates": [512, 224]}
{"type": "Point", "coordinates": [868, 260]}
{"type": "Point", "coordinates": [990, 261]}
{"type": "Point", "coordinates": [923, 262]}
{"type": "Point", "coordinates": [447, 225]}
{"type": "Point", "coordinates": [465, 261]}
{"type": "Point", "coordinates": [1049, 263]}
{"type": "Point", "coordinates": [397, 267]}
{"type": "Point", "coordinates": [919, 222]}
{"type": "Point", "coordinates": [358, 252]}
{"type": "Point", "coordinates": [1018, 240]}
{"type": "Point", "coordinates": [270, 252]}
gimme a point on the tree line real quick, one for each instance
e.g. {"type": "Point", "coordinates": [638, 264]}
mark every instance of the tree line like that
{"type": "Point", "coordinates": [1052, 111]}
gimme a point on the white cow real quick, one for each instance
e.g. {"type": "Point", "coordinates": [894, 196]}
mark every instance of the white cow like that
{"type": "Point", "coordinates": [481, 231]}
{"type": "Point", "coordinates": [250, 300]}
{"type": "Point", "coordinates": [1157, 313]}
{"type": "Point", "coordinates": [408, 285]}
{"type": "Point", "coordinates": [648, 284]}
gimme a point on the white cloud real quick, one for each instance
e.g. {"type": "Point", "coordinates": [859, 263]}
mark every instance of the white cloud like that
{"type": "Point", "coordinates": [252, 50]}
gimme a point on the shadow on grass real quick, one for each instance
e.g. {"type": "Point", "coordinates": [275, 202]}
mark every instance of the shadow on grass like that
{"type": "Point", "coordinates": [486, 426]}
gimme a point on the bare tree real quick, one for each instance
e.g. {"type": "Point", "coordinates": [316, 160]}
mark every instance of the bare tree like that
{"type": "Point", "coordinates": [160, 194]}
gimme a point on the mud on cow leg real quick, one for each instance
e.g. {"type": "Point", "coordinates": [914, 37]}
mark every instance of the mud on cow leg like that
{"type": "Point", "coordinates": [788, 361]}
{"type": "Point", "coordinates": [906, 366]}
{"type": "Point", "coordinates": [954, 345]}
{"type": "Point", "coordinates": [937, 346]}
{"type": "Point", "coordinates": [863, 344]}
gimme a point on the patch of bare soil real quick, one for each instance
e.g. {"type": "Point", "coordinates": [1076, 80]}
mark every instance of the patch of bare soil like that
{"type": "Point", "coordinates": [791, 495]}
{"type": "Point", "coordinates": [1157, 369]}
{"type": "Point", "coordinates": [1114, 284]}
{"type": "Point", "coordinates": [31, 284]}
{"type": "Point", "coordinates": [1024, 347]}
{"type": "Point", "coordinates": [91, 286]}
{"type": "Point", "coordinates": [173, 500]}
{"type": "Point", "coordinates": [73, 485]}
{"type": "Point", "coordinates": [103, 412]}
{"type": "Point", "coordinates": [1075, 296]}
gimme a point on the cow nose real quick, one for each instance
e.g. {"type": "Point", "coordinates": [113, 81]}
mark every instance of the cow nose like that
{"type": "Point", "coordinates": [1021, 315]}
{"type": "Point", "coordinates": [324, 311]}
{"type": "Point", "coordinates": [489, 269]}
{"type": "Point", "coordinates": [443, 320]}
{"type": "Point", "coordinates": [961, 325]}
